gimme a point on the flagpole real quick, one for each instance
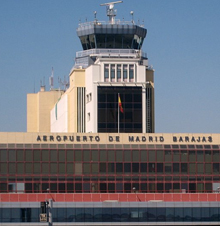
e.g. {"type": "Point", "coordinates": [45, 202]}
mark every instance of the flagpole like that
{"type": "Point", "coordinates": [118, 113]}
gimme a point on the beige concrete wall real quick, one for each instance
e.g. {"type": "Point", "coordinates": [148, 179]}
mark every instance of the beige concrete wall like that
{"type": "Point", "coordinates": [150, 76]}
{"type": "Point", "coordinates": [109, 138]}
{"type": "Point", "coordinates": [32, 115]}
{"type": "Point", "coordinates": [39, 106]}
{"type": "Point", "coordinates": [77, 79]}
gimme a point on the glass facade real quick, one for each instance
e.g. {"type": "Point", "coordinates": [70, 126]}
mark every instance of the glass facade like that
{"type": "Point", "coordinates": [131, 73]}
{"type": "Point", "coordinates": [113, 168]}
{"type": "Point", "coordinates": [149, 110]}
{"type": "Point", "coordinates": [119, 73]}
{"type": "Point", "coordinates": [131, 118]}
{"type": "Point", "coordinates": [177, 214]}
{"type": "Point", "coordinates": [106, 72]}
{"type": "Point", "coordinates": [111, 41]}
{"type": "Point", "coordinates": [19, 215]}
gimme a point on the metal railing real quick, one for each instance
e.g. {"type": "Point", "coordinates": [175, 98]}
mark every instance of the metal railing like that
{"type": "Point", "coordinates": [112, 52]}
{"type": "Point", "coordinates": [117, 21]}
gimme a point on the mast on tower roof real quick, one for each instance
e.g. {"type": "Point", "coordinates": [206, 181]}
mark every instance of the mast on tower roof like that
{"type": "Point", "coordinates": [51, 80]}
{"type": "Point", "coordinates": [111, 12]}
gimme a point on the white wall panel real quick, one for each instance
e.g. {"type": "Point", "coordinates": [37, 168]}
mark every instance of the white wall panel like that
{"type": "Point", "coordinates": [59, 116]}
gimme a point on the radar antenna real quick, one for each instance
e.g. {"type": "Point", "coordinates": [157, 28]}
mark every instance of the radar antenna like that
{"type": "Point", "coordinates": [111, 12]}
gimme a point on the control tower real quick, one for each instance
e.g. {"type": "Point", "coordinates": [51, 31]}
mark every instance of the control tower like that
{"type": "Point", "coordinates": [111, 87]}
{"type": "Point", "coordinates": [115, 68]}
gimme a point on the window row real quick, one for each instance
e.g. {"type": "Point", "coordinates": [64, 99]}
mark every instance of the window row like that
{"type": "Point", "coordinates": [119, 72]}
{"type": "Point", "coordinates": [110, 155]}
{"type": "Point", "coordinates": [108, 168]}
{"type": "Point", "coordinates": [108, 187]}
{"type": "Point", "coordinates": [131, 146]}
{"type": "Point", "coordinates": [110, 177]}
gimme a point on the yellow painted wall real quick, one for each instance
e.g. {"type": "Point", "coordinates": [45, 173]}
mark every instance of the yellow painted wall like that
{"type": "Point", "coordinates": [39, 106]}
{"type": "Point", "coordinates": [32, 115]}
{"type": "Point", "coordinates": [150, 76]}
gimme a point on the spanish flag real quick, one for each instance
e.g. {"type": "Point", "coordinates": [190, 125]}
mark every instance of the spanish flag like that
{"type": "Point", "coordinates": [119, 104]}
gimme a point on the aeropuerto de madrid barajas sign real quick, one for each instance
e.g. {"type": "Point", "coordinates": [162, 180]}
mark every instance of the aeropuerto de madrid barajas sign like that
{"type": "Point", "coordinates": [117, 138]}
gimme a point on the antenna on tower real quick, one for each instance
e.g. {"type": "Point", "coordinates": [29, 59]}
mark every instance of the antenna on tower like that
{"type": "Point", "coordinates": [64, 83]}
{"type": "Point", "coordinates": [51, 80]}
{"type": "Point", "coordinates": [111, 12]}
{"type": "Point", "coordinates": [132, 15]}
{"type": "Point", "coordinates": [42, 85]}
{"type": "Point", "coordinates": [95, 13]}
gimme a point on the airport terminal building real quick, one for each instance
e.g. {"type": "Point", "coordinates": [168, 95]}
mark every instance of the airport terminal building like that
{"type": "Point", "coordinates": [109, 163]}
{"type": "Point", "coordinates": [91, 156]}
{"type": "Point", "coordinates": [110, 178]}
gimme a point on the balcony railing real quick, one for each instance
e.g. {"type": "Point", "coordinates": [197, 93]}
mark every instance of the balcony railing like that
{"type": "Point", "coordinates": [112, 52]}
{"type": "Point", "coordinates": [117, 21]}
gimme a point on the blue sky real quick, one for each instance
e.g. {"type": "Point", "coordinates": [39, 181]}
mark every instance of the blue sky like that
{"type": "Point", "coordinates": [182, 44]}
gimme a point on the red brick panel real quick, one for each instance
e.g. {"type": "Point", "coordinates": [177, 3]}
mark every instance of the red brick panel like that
{"type": "Point", "coordinates": [121, 197]}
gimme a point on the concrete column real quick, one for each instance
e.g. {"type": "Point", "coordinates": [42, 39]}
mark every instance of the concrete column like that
{"type": "Point", "coordinates": [50, 217]}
